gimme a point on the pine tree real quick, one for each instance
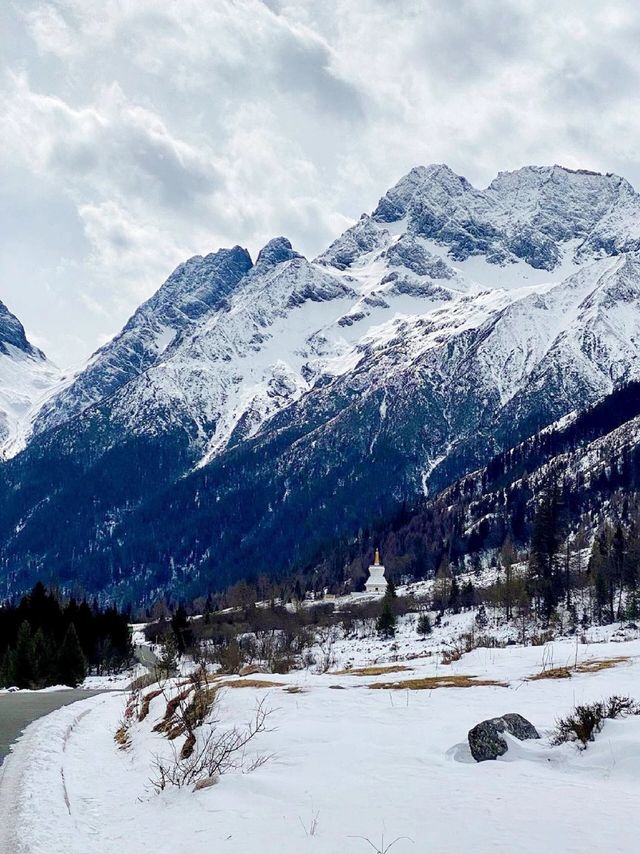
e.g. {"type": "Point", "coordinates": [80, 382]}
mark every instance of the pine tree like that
{"type": "Point", "coordinates": [181, 630]}
{"type": "Point", "coordinates": [454, 596]}
{"type": "Point", "coordinates": [8, 669]}
{"type": "Point", "coordinates": [424, 625]}
{"type": "Point", "coordinates": [42, 659]}
{"type": "Point", "coordinates": [545, 547]}
{"type": "Point", "coordinates": [442, 586]}
{"type": "Point", "coordinates": [386, 625]}
{"type": "Point", "coordinates": [507, 560]}
{"type": "Point", "coordinates": [168, 660]}
{"type": "Point", "coordinates": [23, 669]}
{"type": "Point", "coordinates": [72, 667]}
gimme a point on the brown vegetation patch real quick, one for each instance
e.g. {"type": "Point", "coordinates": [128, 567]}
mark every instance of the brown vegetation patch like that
{"type": "Point", "coordinates": [252, 683]}
{"type": "Point", "coordinates": [373, 670]}
{"type": "Point", "coordinates": [594, 666]}
{"type": "Point", "coordinates": [167, 723]}
{"type": "Point", "coordinates": [552, 673]}
{"type": "Point", "coordinates": [426, 683]}
{"type": "Point", "coordinates": [295, 689]}
{"type": "Point", "coordinates": [122, 738]}
{"type": "Point", "coordinates": [146, 700]}
{"type": "Point", "coordinates": [600, 664]}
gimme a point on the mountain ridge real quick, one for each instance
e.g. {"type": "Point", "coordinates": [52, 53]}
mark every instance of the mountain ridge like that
{"type": "Point", "coordinates": [445, 326]}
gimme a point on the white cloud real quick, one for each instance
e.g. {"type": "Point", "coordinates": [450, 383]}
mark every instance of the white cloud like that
{"type": "Point", "coordinates": [154, 130]}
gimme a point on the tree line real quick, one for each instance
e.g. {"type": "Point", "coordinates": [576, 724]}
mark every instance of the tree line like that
{"type": "Point", "coordinates": [44, 641]}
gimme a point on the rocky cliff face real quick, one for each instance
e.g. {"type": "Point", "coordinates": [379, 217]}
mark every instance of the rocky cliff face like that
{"type": "Point", "coordinates": [289, 401]}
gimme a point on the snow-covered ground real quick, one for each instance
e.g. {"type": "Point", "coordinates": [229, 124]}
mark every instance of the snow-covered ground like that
{"type": "Point", "coordinates": [350, 763]}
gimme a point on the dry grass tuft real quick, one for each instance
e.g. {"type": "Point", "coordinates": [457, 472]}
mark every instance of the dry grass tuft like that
{"type": "Point", "coordinates": [552, 673]}
{"type": "Point", "coordinates": [168, 723]}
{"type": "Point", "coordinates": [122, 737]}
{"type": "Point", "coordinates": [600, 664]}
{"type": "Point", "coordinates": [373, 670]}
{"type": "Point", "coordinates": [594, 666]}
{"type": "Point", "coordinates": [252, 683]}
{"type": "Point", "coordinates": [427, 683]}
{"type": "Point", "coordinates": [146, 700]}
{"type": "Point", "coordinates": [295, 689]}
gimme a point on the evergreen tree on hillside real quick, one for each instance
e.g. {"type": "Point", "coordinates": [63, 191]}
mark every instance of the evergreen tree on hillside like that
{"type": "Point", "coordinates": [23, 667]}
{"type": "Point", "coordinates": [43, 659]}
{"type": "Point", "coordinates": [181, 630]}
{"type": "Point", "coordinates": [386, 624]}
{"type": "Point", "coordinates": [72, 667]}
{"type": "Point", "coordinates": [8, 668]}
{"type": "Point", "coordinates": [546, 539]}
{"type": "Point", "coordinates": [424, 625]}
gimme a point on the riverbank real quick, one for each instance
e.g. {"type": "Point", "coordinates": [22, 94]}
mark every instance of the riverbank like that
{"type": "Point", "coordinates": [26, 785]}
{"type": "Point", "coordinates": [19, 710]}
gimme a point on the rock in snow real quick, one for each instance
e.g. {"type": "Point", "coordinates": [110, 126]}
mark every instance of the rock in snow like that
{"type": "Point", "coordinates": [486, 741]}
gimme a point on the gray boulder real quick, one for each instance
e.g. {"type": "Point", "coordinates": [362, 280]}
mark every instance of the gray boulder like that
{"type": "Point", "coordinates": [486, 741]}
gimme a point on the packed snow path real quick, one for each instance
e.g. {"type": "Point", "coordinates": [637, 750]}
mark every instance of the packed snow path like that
{"type": "Point", "coordinates": [350, 764]}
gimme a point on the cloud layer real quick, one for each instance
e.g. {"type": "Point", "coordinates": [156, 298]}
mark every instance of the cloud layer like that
{"type": "Point", "coordinates": [138, 132]}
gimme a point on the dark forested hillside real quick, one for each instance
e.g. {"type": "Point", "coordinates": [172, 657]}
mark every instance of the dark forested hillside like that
{"type": "Point", "coordinates": [593, 460]}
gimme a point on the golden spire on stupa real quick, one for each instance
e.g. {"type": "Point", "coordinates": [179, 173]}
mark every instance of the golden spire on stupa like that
{"type": "Point", "coordinates": [376, 558]}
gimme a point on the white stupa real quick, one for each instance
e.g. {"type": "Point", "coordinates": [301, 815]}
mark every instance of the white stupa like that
{"type": "Point", "coordinates": [376, 583]}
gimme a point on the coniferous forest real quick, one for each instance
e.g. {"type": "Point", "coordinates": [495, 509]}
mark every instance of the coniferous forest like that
{"type": "Point", "coordinates": [44, 641]}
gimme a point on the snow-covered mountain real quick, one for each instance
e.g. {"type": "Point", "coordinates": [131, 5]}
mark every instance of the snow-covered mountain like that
{"type": "Point", "coordinates": [448, 324]}
{"type": "Point", "coordinates": [26, 378]}
{"type": "Point", "coordinates": [194, 289]}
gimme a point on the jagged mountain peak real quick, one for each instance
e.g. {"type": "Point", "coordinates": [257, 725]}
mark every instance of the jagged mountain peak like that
{"type": "Point", "coordinates": [196, 288]}
{"type": "Point", "coordinates": [276, 251]}
{"type": "Point", "coordinates": [12, 333]}
{"type": "Point", "coordinates": [537, 214]}
{"type": "Point", "coordinates": [199, 281]}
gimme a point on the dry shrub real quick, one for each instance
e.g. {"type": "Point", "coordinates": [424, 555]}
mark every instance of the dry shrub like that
{"type": "Point", "coordinates": [213, 752]}
{"type": "Point", "coordinates": [428, 682]}
{"type": "Point", "coordinates": [467, 643]}
{"type": "Point", "coordinates": [585, 722]}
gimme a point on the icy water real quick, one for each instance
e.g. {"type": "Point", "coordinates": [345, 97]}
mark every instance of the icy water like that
{"type": "Point", "coordinates": [18, 710]}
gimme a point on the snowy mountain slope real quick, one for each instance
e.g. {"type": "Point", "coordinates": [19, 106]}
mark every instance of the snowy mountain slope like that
{"type": "Point", "coordinates": [26, 377]}
{"type": "Point", "coordinates": [268, 402]}
{"type": "Point", "coordinates": [195, 288]}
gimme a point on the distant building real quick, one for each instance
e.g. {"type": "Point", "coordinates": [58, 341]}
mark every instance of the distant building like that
{"type": "Point", "coordinates": [376, 583]}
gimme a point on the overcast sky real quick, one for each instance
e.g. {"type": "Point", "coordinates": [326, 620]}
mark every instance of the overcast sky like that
{"type": "Point", "coordinates": [135, 133]}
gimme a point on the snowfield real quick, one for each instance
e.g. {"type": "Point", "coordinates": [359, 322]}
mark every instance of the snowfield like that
{"type": "Point", "coordinates": [348, 764]}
